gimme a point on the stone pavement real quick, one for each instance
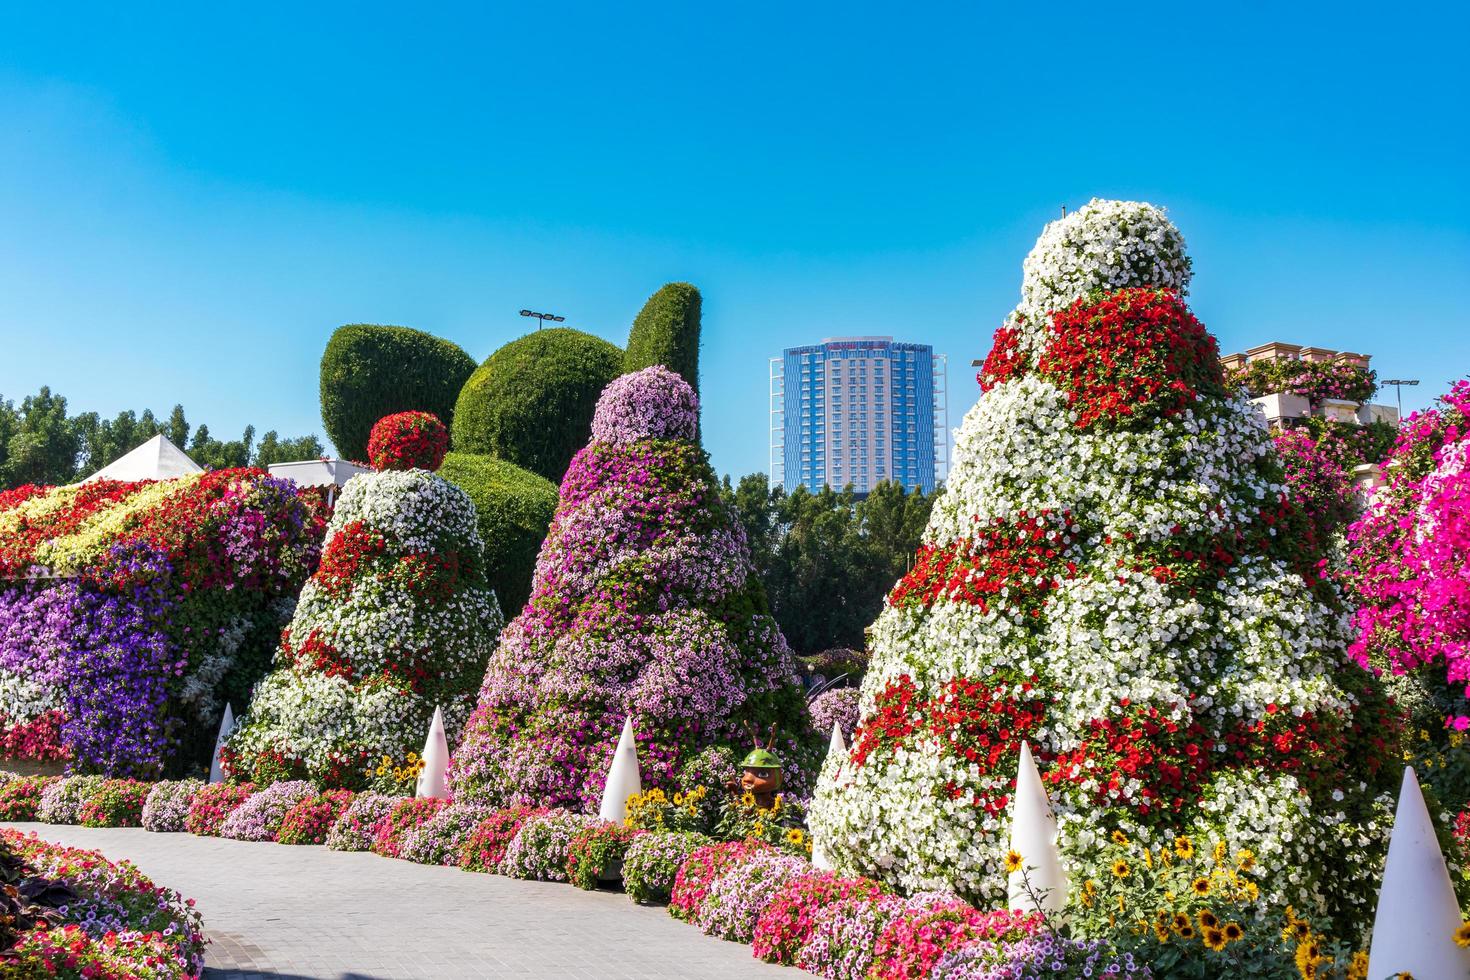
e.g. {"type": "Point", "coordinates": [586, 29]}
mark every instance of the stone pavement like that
{"type": "Point", "coordinates": [291, 913]}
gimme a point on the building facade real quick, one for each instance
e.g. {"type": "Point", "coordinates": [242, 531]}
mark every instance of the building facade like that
{"type": "Point", "coordinates": [1284, 409]}
{"type": "Point", "coordinates": [858, 411]}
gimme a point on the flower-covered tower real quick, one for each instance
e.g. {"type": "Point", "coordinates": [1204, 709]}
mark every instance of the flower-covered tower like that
{"type": "Point", "coordinates": [644, 605]}
{"type": "Point", "coordinates": [1113, 574]}
{"type": "Point", "coordinates": [397, 620]}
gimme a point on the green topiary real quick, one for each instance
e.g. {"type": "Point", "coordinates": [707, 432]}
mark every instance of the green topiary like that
{"type": "Point", "coordinates": [369, 371]}
{"type": "Point", "coordinates": [531, 402]}
{"type": "Point", "coordinates": [515, 507]}
{"type": "Point", "coordinates": [666, 331]}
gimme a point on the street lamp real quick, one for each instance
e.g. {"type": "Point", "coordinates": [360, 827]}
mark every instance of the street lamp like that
{"type": "Point", "coordinates": [543, 317]}
{"type": "Point", "coordinates": [1398, 385]}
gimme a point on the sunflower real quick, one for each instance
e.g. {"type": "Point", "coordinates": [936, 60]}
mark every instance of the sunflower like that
{"type": "Point", "coordinates": [1233, 931]}
{"type": "Point", "coordinates": [1187, 932]}
{"type": "Point", "coordinates": [1207, 920]}
{"type": "Point", "coordinates": [1215, 939]}
{"type": "Point", "coordinates": [1164, 917]}
{"type": "Point", "coordinates": [1013, 862]}
{"type": "Point", "coordinates": [1184, 847]}
{"type": "Point", "coordinates": [1358, 968]}
{"type": "Point", "coordinates": [1462, 935]}
{"type": "Point", "coordinates": [1120, 838]}
{"type": "Point", "coordinates": [1089, 892]}
{"type": "Point", "coordinates": [795, 836]}
{"type": "Point", "coordinates": [1121, 869]}
{"type": "Point", "coordinates": [1245, 859]}
{"type": "Point", "coordinates": [1181, 922]}
{"type": "Point", "coordinates": [1220, 852]}
{"type": "Point", "coordinates": [1200, 886]}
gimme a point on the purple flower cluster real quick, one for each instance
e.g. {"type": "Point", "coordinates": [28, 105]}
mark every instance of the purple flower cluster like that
{"type": "Point", "coordinates": [354, 830]}
{"type": "Point", "coordinates": [539, 849]}
{"type": "Point", "coordinates": [441, 838]}
{"type": "Point", "coordinates": [837, 706]}
{"type": "Point", "coordinates": [1046, 956]}
{"type": "Point", "coordinates": [737, 897]}
{"type": "Point", "coordinates": [167, 806]}
{"type": "Point", "coordinates": [62, 801]}
{"type": "Point", "coordinates": [844, 935]}
{"type": "Point", "coordinates": [654, 403]}
{"type": "Point", "coordinates": [644, 605]}
{"type": "Point", "coordinates": [259, 818]}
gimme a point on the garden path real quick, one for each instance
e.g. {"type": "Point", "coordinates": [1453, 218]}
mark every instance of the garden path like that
{"type": "Point", "coordinates": [291, 913]}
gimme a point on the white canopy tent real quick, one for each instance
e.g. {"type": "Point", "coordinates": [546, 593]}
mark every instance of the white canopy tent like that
{"type": "Point", "coordinates": [156, 459]}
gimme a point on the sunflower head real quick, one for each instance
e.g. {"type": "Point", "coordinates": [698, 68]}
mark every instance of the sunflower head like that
{"type": "Point", "coordinates": [1215, 939]}
{"type": "Point", "coordinates": [1120, 838]}
{"type": "Point", "coordinates": [1233, 931]}
{"type": "Point", "coordinates": [1462, 935]}
{"type": "Point", "coordinates": [1184, 847]}
{"type": "Point", "coordinates": [1207, 920]}
{"type": "Point", "coordinates": [1121, 869]}
{"type": "Point", "coordinates": [1013, 862]}
{"type": "Point", "coordinates": [1200, 886]}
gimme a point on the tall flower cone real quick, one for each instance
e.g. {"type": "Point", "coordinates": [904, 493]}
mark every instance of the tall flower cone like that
{"type": "Point", "coordinates": [1034, 837]}
{"type": "Point", "coordinates": [622, 777]}
{"type": "Point", "coordinates": [433, 778]}
{"type": "Point", "coordinates": [831, 769]}
{"type": "Point", "coordinates": [226, 726]}
{"type": "Point", "coordinates": [1417, 912]}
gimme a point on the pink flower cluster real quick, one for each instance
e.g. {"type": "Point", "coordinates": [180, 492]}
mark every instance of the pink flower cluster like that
{"type": "Point", "coordinates": [654, 403]}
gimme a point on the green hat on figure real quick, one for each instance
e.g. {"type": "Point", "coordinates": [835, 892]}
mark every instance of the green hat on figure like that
{"type": "Point", "coordinates": [761, 759]}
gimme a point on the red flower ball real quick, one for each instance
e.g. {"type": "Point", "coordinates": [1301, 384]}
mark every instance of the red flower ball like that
{"type": "Point", "coordinates": [407, 441]}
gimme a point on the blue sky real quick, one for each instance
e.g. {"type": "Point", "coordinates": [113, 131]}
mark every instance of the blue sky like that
{"type": "Point", "coordinates": [191, 200]}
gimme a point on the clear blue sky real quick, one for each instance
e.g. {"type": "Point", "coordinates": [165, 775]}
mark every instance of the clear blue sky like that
{"type": "Point", "coordinates": [191, 201]}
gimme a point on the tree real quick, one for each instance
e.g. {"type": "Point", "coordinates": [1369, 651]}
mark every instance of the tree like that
{"type": "Point", "coordinates": [274, 449]}
{"type": "Point", "coordinates": [666, 331]}
{"type": "Point", "coordinates": [42, 446]}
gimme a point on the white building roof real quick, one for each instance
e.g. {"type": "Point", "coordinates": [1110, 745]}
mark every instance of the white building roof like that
{"type": "Point", "coordinates": [156, 459]}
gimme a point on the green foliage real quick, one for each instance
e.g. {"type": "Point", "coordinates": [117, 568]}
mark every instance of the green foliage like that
{"type": "Point", "coordinates": [369, 371]}
{"type": "Point", "coordinates": [828, 559]}
{"type": "Point", "coordinates": [515, 508]}
{"type": "Point", "coordinates": [666, 331]}
{"type": "Point", "coordinates": [531, 402]}
{"type": "Point", "coordinates": [38, 444]}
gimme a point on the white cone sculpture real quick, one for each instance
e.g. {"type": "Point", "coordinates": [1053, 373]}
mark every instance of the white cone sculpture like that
{"type": "Point", "coordinates": [836, 749]}
{"type": "Point", "coordinates": [226, 726]}
{"type": "Point", "coordinates": [1417, 912]}
{"type": "Point", "coordinates": [1034, 837]}
{"type": "Point", "coordinates": [433, 778]}
{"type": "Point", "coordinates": [623, 780]}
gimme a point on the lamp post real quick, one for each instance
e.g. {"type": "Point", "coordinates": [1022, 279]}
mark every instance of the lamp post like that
{"type": "Point", "coordinates": [1398, 385]}
{"type": "Point", "coordinates": [543, 317]}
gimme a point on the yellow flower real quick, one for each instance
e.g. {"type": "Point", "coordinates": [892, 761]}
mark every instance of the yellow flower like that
{"type": "Point", "coordinates": [1120, 838]}
{"type": "Point", "coordinates": [1245, 859]}
{"type": "Point", "coordinates": [1089, 892]}
{"type": "Point", "coordinates": [1013, 862]}
{"type": "Point", "coordinates": [1200, 886]}
{"type": "Point", "coordinates": [747, 799]}
{"type": "Point", "coordinates": [1121, 869]}
{"type": "Point", "coordinates": [1148, 856]}
{"type": "Point", "coordinates": [1233, 931]}
{"type": "Point", "coordinates": [1184, 847]}
{"type": "Point", "coordinates": [1215, 939]}
{"type": "Point", "coordinates": [1207, 920]}
{"type": "Point", "coordinates": [1358, 968]}
{"type": "Point", "coordinates": [795, 836]}
{"type": "Point", "coordinates": [1181, 922]}
{"type": "Point", "coordinates": [1187, 932]}
{"type": "Point", "coordinates": [1462, 936]}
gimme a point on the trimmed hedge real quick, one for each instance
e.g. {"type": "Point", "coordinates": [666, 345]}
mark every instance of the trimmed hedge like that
{"type": "Point", "coordinates": [369, 371]}
{"type": "Point", "coordinates": [531, 402]}
{"type": "Point", "coordinates": [666, 331]}
{"type": "Point", "coordinates": [515, 508]}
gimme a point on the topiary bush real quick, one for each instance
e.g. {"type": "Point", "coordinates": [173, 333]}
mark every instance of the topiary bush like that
{"type": "Point", "coordinates": [666, 331]}
{"type": "Point", "coordinates": [531, 402]}
{"type": "Point", "coordinates": [515, 508]}
{"type": "Point", "coordinates": [398, 619]}
{"type": "Point", "coordinates": [645, 605]}
{"type": "Point", "coordinates": [369, 371]}
{"type": "Point", "coordinates": [407, 441]}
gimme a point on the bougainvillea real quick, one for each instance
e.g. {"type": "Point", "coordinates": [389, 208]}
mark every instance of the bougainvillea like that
{"type": "Point", "coordinates": [644, 606]}
{"type": "Point", "coordinates": [398, 619]}
{"type": "Point", "coordinates": [159, 602]}
{"type": "Point", "coordinates": [408, 440]}
{"type": "Point", "coordinates": [1317, 483]}
{"type": "Point", "coordinates": [1115, 575]}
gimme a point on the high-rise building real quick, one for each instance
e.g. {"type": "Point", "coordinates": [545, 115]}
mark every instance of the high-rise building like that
{"type": "Point", "coordinates": [859, 411]}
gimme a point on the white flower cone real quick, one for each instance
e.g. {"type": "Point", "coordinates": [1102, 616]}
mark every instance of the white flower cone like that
{"type": "Point", "coordinates": [836, 749]}
{"type": "Point", "coordinates": [226, 726]}
{"type": "Point", "coordinates": [623, 780]}
{"type": "Point", "coordinates": [1417, 912]}
{"type": "Point", "coordinates": [433, 778]}
{"type": "Point", "coordinates": [1034, 837]}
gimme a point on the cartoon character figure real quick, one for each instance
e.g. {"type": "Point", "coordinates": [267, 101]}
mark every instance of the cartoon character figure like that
{"type": "Point", "coordinates": [761, 771]}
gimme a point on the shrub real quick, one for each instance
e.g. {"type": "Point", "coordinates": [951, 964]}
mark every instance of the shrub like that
{"type": "Point", "coordinates": [311, 820]}
{"type": "Point", "coordinates": [653, 861]}
{"type": "Point", "coordinates": [167, 806]}
{"type": "Point", "coordinates": [117, 803]}
{"type": "Point", "coordinates": [539, 850]}
{"type": "Point", "coordinates": [484, 849]}
{"type": "Point", "coordinates": [397, 619]}
{"type": "Point", "coordinates": [514, 507]}
{"type": "Point", "coordinates": [785, 925]}
{"type": "Point", "coordinates": [441, 839]}
{"type": "Point", "coordinates": [20, 798]}
{"type": "Point", "coordinates": [596, 850]}
{"type": "Point", "coordinates": [369, 371]}
{"type": "Point", "coordinates": [259, 817]}
{"type": "Point", "coordinates": [355, 829]}
{"type": "Point", "coordinates": [531, 402]}
{"type": "Point", "coordinates": [61, 800]}
{"type": "Point", "coordinates": [699, 871]}
{"type": "Point", "coordinates": [408, 440]}
{"type": "Point", "coordinates": [645, 605]}
{"type": "Point", "coordinates": [407, 815]}
{"type": "Point", "coordinates": [212, 806]}
{"type": "Point", "coordinates": [666, 332]}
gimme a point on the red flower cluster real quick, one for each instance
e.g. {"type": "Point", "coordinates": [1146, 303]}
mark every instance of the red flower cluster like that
{"type": "Point", "coordinates": [1025, 558]}
{"type": "Point", "coordinates": [486, 844]}
{"type": "Point", "coordinates": [1005, 361]}
{"type": "Point", "coordinates": [309, 821]}
{"type": "Point", "coordinates": [701, 868]}
{"type": "Point", "coordinates": [39, 738]}
{"type": "Point", "coordinates": [406, 815]}
{"type": "Point", "coordinates": [18, 544]}
{"type": "Point", "coordinates": [789, 919]}
{"type": "Point", "coordinates": [407, 441]}
{"type": "Point", "coordinates": [1169, 760]}
{"type": "Point", "coordinates": [212, 806]}
{"type": "Point", "coordinates": [345, 554]}
{"type": "Point", "coordinates": [315, 654]}
{"type": "Point", "coordinates": [1132, 356]}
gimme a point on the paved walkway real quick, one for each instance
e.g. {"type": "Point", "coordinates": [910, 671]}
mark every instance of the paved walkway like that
{"type": "Point", "coordinates": [292, 913]}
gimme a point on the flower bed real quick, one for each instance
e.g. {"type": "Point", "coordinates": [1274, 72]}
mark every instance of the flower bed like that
{"type": "Point", "coordinates": [167, 807]}
{"type": "Point", "coordinates": [539, 849]}
{"type": "Point", "coordinates": [786, 924]}
{"type": "Point", "coordinates": [485, 846]}
{"type": "Point", "coordinates": [212, 806]}
{"type": "Point", "coordinates": [355, 829]}
{"type": "Point", "coordinates": [653, 861]}
{"type": "Point", "coordinates": [597, 851]}
{"type": "Point", "coordinates": [116, 803]}
{"type": "Point", "coordinates": [441, 839]}
{"type": "Point", "coordinates": [20, 798]}
{"type": "Point", "coordinates": [311, 820]}
{"type": "Point", "coordinates": [407, 815]}
{"type": "Point", "coordinates": [259, 817]}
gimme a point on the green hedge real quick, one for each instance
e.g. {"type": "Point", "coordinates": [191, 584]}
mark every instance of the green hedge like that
{"type": "Point", "coordinates": [515, 508]}
{"type": "Point", "coordinates": [666, 331]}
{"type": "Point", "coordinates": [531, 402]}
{"type": "Point", "coordinates": [369, 371]}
